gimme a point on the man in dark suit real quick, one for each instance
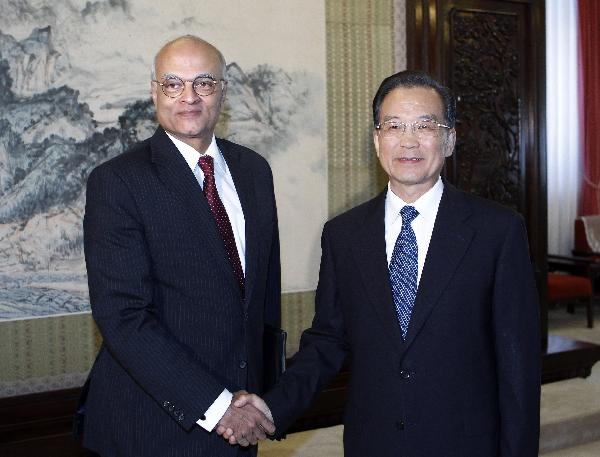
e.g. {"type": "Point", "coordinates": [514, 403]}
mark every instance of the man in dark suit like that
{"type": "Point", "coordinates": [429, 293]}
{"type": "Point", "coordinates": [182, 253]}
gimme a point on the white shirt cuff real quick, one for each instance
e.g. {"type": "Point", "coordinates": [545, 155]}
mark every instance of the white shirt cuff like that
{"type": "Point", "coordinates": [216, 411]}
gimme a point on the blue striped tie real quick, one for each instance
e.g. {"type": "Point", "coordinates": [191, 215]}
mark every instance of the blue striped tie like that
{"type": "Point", "coordinates": [404, 269]}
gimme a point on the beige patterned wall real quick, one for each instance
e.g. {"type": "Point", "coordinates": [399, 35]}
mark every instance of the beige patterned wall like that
{"type": "Point", "coordinates": [365, 43]}
{"type": "Point", "coordinates": [400, 35]}
{"type": "Point", "coordinates": [46, 353]}
{"type": "Point", "coordinates": [360, 53]}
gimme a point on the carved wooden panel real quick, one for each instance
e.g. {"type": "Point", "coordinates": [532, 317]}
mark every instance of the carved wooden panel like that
{"type": "Point", "coordinates": [484, 77]}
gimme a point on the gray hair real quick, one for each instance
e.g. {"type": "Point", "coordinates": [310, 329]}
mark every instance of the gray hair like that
{"type": "Point", "coordinates": [410, 79]}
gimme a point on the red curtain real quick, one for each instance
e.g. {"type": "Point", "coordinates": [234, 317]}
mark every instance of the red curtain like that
{"type": "Point", "coordinates": [589, 39]}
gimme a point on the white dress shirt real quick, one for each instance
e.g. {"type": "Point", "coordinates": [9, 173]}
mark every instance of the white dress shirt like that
{"type": "Point", "coordinates": [427, 205]}
{"type": "Point", "coordinates": [225, 187]}
{"type": "Point", "coordinates": [231, 202]}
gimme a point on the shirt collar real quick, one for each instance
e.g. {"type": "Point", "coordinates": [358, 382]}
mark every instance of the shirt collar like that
{"type": "Point", "coordinates": [427, 204]}
{"type": "Point", "coordinates": [191, 156]}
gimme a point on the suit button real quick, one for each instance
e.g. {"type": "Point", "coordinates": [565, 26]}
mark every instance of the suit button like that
{"type": "Point", "coordinates": [243, 364]}
{"type": "Point", "coordinates": [405, 374]}
{"type": "Point", "coordinates": [399, 425]}
{"type": "Point", "coordinates": [179, 415]}
{"type": "Point", "coordinates": [166, 404]}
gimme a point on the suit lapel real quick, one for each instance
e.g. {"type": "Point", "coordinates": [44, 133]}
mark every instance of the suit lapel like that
{"type": "Point", "coordinates": [370, 256]}
{"type": "Point", "coordinates": [449, 242]}
{"type": "Point", "coordinates": [244, 186]}
{"type": "Point", "coordinates": [174, 172]}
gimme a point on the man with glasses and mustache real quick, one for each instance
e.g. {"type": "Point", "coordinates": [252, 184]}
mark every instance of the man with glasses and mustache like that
{"type": "Point", "coordinates": [182, 253]}
{"type": "Point", "coordinates": [428, 293]}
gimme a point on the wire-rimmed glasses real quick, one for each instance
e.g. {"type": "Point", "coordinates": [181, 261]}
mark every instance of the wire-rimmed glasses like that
{"type": "Point", "coordinates": [203, 85]}
{"type": "Point", "coordinates": [425, 128]}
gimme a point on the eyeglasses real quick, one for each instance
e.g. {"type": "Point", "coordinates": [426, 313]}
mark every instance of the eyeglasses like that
{"type": "Point", "coordinates": [173, 86]}
{"type": "Point", "coordinates": [427, 128]}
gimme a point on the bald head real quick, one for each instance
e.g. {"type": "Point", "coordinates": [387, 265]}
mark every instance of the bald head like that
{"type": "Point", "coordinates": [188, 42]}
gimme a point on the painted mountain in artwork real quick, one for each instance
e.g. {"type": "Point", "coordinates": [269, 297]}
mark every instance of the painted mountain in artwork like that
{"type": "Point", "coordinates": [49, 143]}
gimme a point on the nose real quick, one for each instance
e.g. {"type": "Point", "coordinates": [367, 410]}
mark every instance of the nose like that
{"type": "Point", "coordinates": [408, 139]}
{"type": "Point", "coordinates": [189, 95]}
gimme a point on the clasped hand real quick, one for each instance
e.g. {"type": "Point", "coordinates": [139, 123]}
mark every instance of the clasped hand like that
{"type": "Point", "coordinates": [246, 421]}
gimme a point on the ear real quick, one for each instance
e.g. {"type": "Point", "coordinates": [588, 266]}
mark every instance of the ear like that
{"type": "Point", "coordinates": [223, 94]}
{"type": "Point", "coordinates": [376, 141]}
{"type": "Point", "coordinates": [449, 143]}
{"type": "Point", "coordinates": [154, 91]}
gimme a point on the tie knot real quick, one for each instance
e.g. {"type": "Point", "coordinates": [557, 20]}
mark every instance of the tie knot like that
{"type": "Point", "coordinates": [408, 214]}
{"type": "Point", "coordinates": [207, 164]}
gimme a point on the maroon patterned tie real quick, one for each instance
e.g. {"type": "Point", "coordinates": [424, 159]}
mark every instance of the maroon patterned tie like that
{"type": "Point", "coordinates": [207, 165]}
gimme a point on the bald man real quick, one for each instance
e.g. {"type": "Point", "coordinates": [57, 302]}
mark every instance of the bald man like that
{"type": "Point", "coordinates": [182, 255]}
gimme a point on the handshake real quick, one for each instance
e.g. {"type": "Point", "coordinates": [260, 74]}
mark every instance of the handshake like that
{"type": "Point", "coordinates": [247, 420]}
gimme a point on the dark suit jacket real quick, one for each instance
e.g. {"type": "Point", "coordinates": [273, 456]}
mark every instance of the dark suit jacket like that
{"type": "Point", "coordinates": [176, 329]}
{"type": "Point", "coordinates": [466, 380]}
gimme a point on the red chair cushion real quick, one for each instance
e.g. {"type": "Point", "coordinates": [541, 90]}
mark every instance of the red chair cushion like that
{"type": "Point", "coordinates": [564, 287]}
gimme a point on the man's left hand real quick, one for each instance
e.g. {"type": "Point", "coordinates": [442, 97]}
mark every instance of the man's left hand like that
{"type": "Point", "coordinates": [243, 423]}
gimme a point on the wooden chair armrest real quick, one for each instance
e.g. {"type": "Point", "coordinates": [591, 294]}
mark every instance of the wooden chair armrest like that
{"type": "Point", "coordinates": [575, 265]}
{"type": "Point", "coordinates": [575, 259]}
{"type": "Point", "coordinates": [580, 266]}
{"type": "Point", "coordinates": [586, 253]}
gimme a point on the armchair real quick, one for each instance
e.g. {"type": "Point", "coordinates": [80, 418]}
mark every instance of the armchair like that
{"type": "Point", "coordinates": [571, 280]}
